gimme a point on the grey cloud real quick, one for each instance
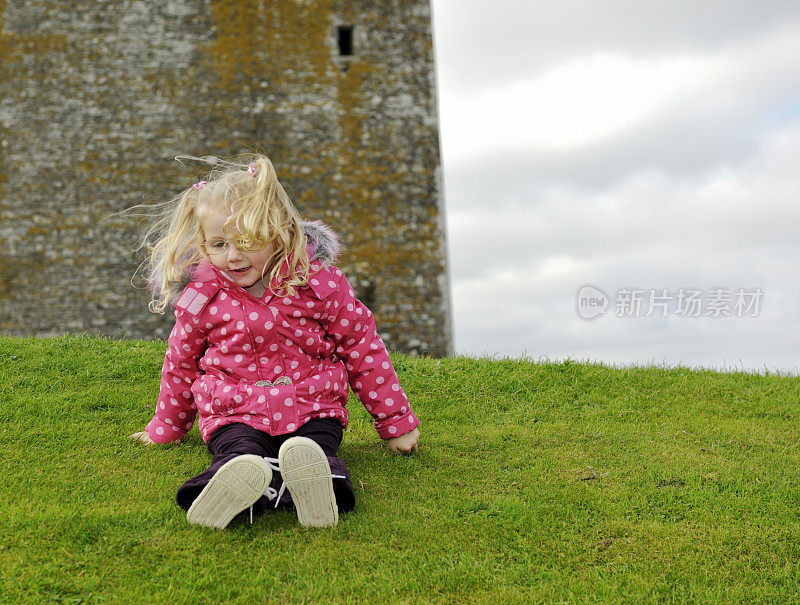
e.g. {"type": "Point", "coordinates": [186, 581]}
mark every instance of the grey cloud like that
{"type": "Point", "coordinates": [483, 44]}
{"type": "Point", "coordinates": [685, 145]}
{"type": "Point", "coordinates": [702, 195]}
{"type": "Point", "coordinates": [652, 228]}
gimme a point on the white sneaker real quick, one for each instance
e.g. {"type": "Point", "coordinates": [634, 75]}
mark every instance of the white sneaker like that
{"type": "Point", "coordinates": [307, 475]}
{"type": "Point", "coordinates": [234, 487]}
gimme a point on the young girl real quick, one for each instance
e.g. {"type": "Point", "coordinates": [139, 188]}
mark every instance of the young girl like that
{"type": "Point", "coordinates": [267, 339]}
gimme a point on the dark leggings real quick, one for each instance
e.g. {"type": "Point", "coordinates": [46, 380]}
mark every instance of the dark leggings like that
{"type": "Point", "coordinates": [233, 440]}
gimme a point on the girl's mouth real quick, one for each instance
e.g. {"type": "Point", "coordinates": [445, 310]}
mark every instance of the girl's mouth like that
{"type": "Point", "coordinates": [240, 271]}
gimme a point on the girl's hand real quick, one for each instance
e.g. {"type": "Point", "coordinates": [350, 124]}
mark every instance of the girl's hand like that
{"type": "Point", "coordinates": [404, 444]}
{"type": "Point", "coordinates": [143, 437]}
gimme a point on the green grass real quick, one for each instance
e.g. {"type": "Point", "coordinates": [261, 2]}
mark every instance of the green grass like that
{"type": "Point", "coordinates": [696, 496]}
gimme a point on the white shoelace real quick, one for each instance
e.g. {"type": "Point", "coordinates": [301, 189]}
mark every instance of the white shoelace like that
{"type": "Point", "coordinates": [275, 494]}
{"type": "Point", "coordinates": [271, 493]}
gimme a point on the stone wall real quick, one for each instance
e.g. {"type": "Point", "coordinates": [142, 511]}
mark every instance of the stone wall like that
{"type": "Point", "coordinates": [98, 97]}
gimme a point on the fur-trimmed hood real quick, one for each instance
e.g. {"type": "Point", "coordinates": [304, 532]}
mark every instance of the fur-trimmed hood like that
{"type": "Point", "coordinates": [323, 243]}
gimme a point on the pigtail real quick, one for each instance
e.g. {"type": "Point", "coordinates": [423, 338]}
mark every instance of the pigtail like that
{"type": "Point", "coordinates": [267, 212]}
{"type": "Point", "coordinates": [176, 250]}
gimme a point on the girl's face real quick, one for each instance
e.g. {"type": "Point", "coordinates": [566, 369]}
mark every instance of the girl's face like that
{"type": "Point", "coordinates": [244, 267]}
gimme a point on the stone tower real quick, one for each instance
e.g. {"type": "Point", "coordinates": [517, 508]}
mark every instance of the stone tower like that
{"type": "Point", "coordinates": [98, 96]}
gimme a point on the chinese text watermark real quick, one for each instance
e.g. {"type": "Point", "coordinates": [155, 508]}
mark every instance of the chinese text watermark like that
{"type": "Point", "coordinates": [715, 302]}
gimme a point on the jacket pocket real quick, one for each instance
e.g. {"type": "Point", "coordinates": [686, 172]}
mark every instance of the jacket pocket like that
{"type": "Point", "coordinates": [217, 397]}
{"type": "Point", "coordinates": [277, 404]}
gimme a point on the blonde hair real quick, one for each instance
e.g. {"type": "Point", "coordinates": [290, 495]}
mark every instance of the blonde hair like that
{"type": "Point", "coordinates": [260, 212]}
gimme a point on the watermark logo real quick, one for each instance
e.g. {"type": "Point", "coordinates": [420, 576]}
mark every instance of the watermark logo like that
{"type": "Point", "coordinates": [592, 302]}
{"type": "Point", "coordinates": [717, 302]}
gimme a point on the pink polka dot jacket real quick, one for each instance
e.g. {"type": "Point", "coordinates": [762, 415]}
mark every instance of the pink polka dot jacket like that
{"type": "Point", "coordinates": [277, 362]}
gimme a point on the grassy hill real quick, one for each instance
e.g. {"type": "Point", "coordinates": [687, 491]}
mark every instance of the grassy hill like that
{"type": "Point", "coordinates": [554, 482]}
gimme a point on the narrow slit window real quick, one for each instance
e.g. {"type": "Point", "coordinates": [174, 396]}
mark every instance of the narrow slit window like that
{"type": "Point", "coordinates": [345, 38]}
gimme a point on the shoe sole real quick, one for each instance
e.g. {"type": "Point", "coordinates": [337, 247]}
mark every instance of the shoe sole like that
{"type": "Point", "coordinates": [307, 474]}
{"type": "Point", "coordinates": [234, 487]}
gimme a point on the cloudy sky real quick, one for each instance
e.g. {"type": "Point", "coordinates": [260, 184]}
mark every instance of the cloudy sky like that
{"type": "Point", "coordinates": [646, 151]}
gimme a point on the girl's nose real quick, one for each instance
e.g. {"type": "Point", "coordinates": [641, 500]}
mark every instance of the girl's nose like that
{"type": "Point", "coordinates": [234, 253]}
